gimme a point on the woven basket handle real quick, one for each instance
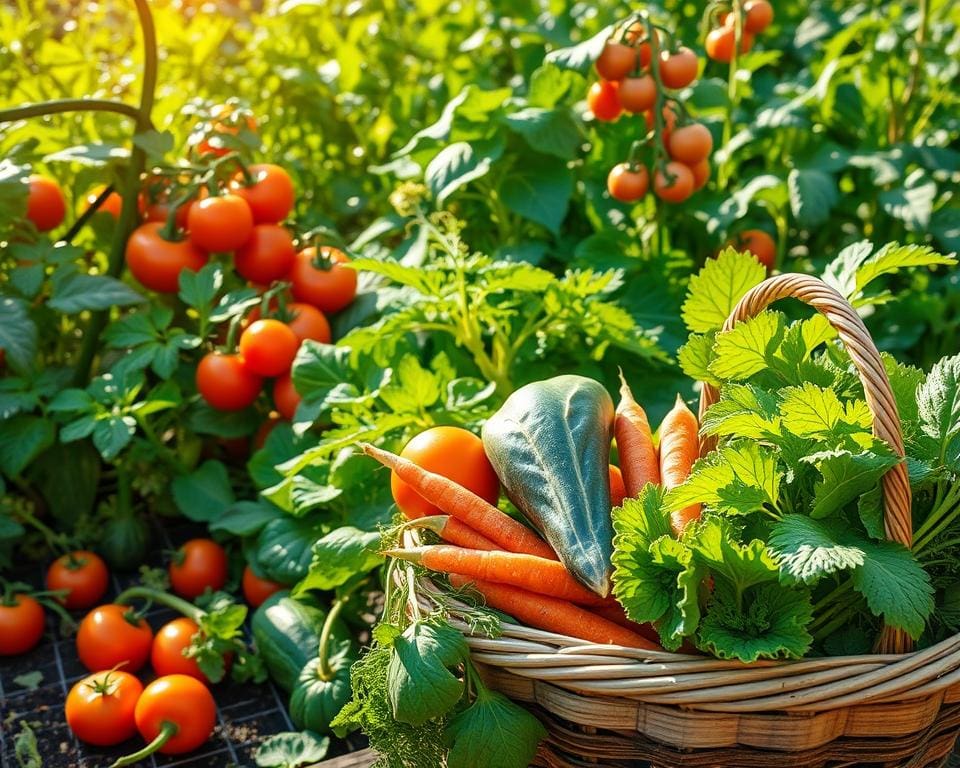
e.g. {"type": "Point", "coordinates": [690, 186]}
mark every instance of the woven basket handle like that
{"type": "Point", "coordinates": [897, 518]}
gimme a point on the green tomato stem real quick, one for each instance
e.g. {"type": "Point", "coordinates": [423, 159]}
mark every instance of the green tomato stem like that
{"type": "Point", "coordinates": [178, 604]}
{"type": "Point", "coordinates": [57, 106]}
{"type": "Point", "coordinates": [324, 672]}
{"type": "Point", "coordinates": [167, 731]}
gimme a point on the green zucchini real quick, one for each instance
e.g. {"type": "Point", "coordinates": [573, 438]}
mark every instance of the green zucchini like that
{"type": "Point", "coordinates": [315, 701]}
{"type": "Point", "coordinates": [550, 445]}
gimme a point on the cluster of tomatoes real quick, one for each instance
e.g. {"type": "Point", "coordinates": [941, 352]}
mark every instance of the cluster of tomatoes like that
{"type": "Point", "coordinates": [635, 75]}
{"type": "Point", "coordinates": [757, 15]}
{"type": "Point", "coordinates": [114, 642]}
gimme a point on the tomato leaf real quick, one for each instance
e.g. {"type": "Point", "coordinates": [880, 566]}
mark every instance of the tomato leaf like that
{"type": "Point", "coordinates": [205, 494]}
{"type": "Point", "coordinates": [457, 164]}
{"type": "Point", "coordinates": [78, 292]}
{"type": "Point", "coordinates": [18, 334]}
{"type": "Point", "coordinates": [339, 556]}
{"type": "Point", "coordinates": [539, 191]}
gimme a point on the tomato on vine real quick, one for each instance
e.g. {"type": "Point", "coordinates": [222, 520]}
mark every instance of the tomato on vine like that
{"type": "Point", "coordinates": [267, 255]}
{"type": "Point", "coordinates": [628, 184]}
{"type": "Point", "coordinates": [319, 278]}
{"type": "Point", "coordinates": [637, 94]}
{"type": "Point", "coordinates": [285, 396]}
{"type": "Point", "coordinates": [616, 61]}
{"type": "Point", "coordinates": [225, 383]}
{"type": "Point", "coordinates": [603, 100]}
{"type": "Point", "coordinates": [99, 709]}
{"type": "Point", "coordinates": [167, 654]}
{"type": "Point", "coordinates": [111, 635]}
{"type": "Point", "coordinates": [691, 143]}
{"type": "Point", "coordinates": [268, 347]}
{"type": "Point", "coordinates": [157, 262]}
{"type": "Point", "coordinates": [257, 589]}
{"type": "Point", "coordinates": [637, 37]}
{"type": "Point", "coordinates": [675, 184]}
{"type": "Point", "coordinates": [720, 43]}
{"type": "Point", "coordinates": [678, 69]}
{"type": "Point", "coordinates": [198, 565]}
{"type": "Point", "coordinates": [83, 575]}
{"type": "Point", "coordinates": [46, 205]}
{"type": "Point", "coordinates": [758, 15]}
{"type": "Point", "coordinates": [701, 174]}
{"type": "Point", "coordinates": [760, 244]}
{"type": "Point", "coordinates": [269, 192]}
{"type": "Point", "coordinates": [21, 623]}
{"type": "Point", "coordinates": [308, 322]}
{"type": "Point", "coordinates": [221, 223]}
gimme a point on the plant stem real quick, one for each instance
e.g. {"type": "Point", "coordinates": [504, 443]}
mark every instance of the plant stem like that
{"type": "Point", "coordinates": [167, 731]}
{"type": "Point", "coordinates": [324, 671]}
{"type": "Point", "coordinates": [178, 604]}
{"type": "Point", "coordinates": [722, 171]}
{"type": "Point", "coordinates": [57, 106]}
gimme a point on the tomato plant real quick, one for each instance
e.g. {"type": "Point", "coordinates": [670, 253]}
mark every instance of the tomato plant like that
{"type": "Point", "coordinates": [320, 279]}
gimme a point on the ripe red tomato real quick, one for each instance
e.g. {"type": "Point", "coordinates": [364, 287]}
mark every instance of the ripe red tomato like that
{"type": "Point", "coordinates": [255, 589]}
{"type": "Point", "coordinates": [616, 61]}
{"type": "Point", "coordinates": [637, 94]}
{"type": "Point", "coordinates": [156, 263]}
{"type": "Point", "coordinates": [270, 194]}
{"type": "Point", "coordinates": [720, 42]}
{"type": "Point", "coordinates": [603, 100]}
{"type": "Point", "coordinates": [325, 282]}
{"type": "Point", "coordinates": [155, 204]}
{"type": "Point", "coordinates": [226, 119]}
{"type": "Point", "coordinates": [21, 624]}
{"type": "Point", "coordinates": [454, 453]}
{"type": "Point", "coordinates": [268, 347]}
{"type": "Point", "coordinates": [308, 322]}
{"type": "Point", "coordinates": [285, 396]}
{"type": "Point", "coordinates": [701, 174]}
{"type": "Point", "coordinates": [669, 113]}
{"type": "Point", "coordinates": [637, 37]}
{"type": "Point", "coordinates": [618, 491]}
{"type": "Point", "coordinates": [83, 574]}
{"type": "Point", "coordinates": [678, 69]}
{"type": "Point", "coordinates": [691, 143]}
{"type": "Point", "coordinates": [628, 185]}
{"type": "Point", "coordinates": [166, 656]}
{"type": "Point", "coordinates": [183, 701]}
{"type": "Point", "coordinates": [226, 383]}
{"type": "Point", "coordinates": [111, 205]}
{"type": "Point", "coordinates": [220, 224]}
{"type": "Point", "coordinates": [760, 244]}
{"type": "Point", "coordinates": [197, 565]}
{"type": "Point", "coordinates": [99, 708]}
{"type": "Point", "coordinates": [674, 190]}
{"type": "Point", "coordinates": [267, 254]}
{"type": "Point", "coordinates": [46, 205]}
{"type": "Point", "coordinates": [759, 15]}
{"type": "Point", "coordinates": [111, 635]}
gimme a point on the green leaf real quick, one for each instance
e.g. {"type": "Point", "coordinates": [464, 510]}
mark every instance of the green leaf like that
{"type": "Point", "coordinates": [716, 289]}
{"type": "Point", "coordinates": [743, 411]}
{"type": "Point", "coordinates": [813, 193]}
{"type": "Point", "coordinates": [938, 401]}
{"type": "Point", "coordinates": [112, 434]}
{"type": "Point", "coordinates": [913, 202]}
{"type": "Point", "coordinates": [205, 494]}
{"type": "Point", "coordinates": [71, 401]}
{"type": "Point", "coordinates": [198, 289]}
{"type": "Point", "coordinates": [155, 143]}
{"type": "Point", "coordinates": [552, 131]}
{"type": "Point", "coordinates": [741, 565]}
{"type": "Point", "coordinates": [810, 549]}
{"type": "Point", "coordinates": [457, 164]}
{"type": "Point", "coordinates": [245, 518]}
{"type": "Point", "coordinates": [18, 334]}
{"type": "Point", "coordinates": [292, 750]}
{"type": "Point", "coordinates": [283, 548]}
{"type": "Point", "coordinates": [320, 366]}
{"type": "Point", "coordinates": [580, 57]}
{"type": "Point", "coordinates": [846, 476]}
{"type": "Point", "coordinates": [78, 292]}
{"type": "Point", "coordinates": [29, 680]}
{"type": "Point", "coordinates": [339, 556]}
{"type": "Point", "coordinates": [415, 388]}
{"type": "Point", "coordinates": [421, 684]}
{"type": "Point", "coordinates": [893, 257]}
{"type": "Point", "coordinates": [895, 585]}
{"type": "Point", "coordinates": [549, 84]}
{"type": "Point", "coordinates": [696, 356]}
{"type": "Point", "coordinates": [493, 726]}
{"type": "Point", "coordinates": [812, 411]}
{"type": "Point", "coordinates": [748, 347]}
{"type": "Point", "coordinates": [539, 191]}
{"type": "Point", "coordinates": [22, 439]}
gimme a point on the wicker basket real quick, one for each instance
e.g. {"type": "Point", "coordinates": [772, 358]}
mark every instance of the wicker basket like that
{"type": "Point", "coordinates": [615, 706]}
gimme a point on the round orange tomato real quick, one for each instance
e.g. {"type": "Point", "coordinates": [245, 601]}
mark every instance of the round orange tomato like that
{"type": "Point", "coordinates": [616, 61]}
{"type": "Point", "coordinates": [691, 143]}
{"type": "Point", "coordinates": [759, 15]}
{"type": "Point", "coordinates": [308, 322]}
{"type": "Point", "coordinates": [267, 254]}
{"type": "Point", "coordinates": [156, 262]}
{"type": "Point", "coordinates": [285, 396]}
{"type": "Point", "coordinates": [603, 100]}
{"type": "Point", "coordinates": [678, 69]}
{"type": "Point", "coordinates": [21, 624]}
{"type": "Point", "coordinates": [637, 36]}
{"type": "Point", "coordinates": [111, 205]}
{"type": "Point", "coordinates": [701, 174]}
{"type": "Point", "coordinates": [454, 453]}
{"type": "Point", "coordinates": [167, 654]}
{"type": "Point", "coordinates": [628, 184]}
{"type": "Point", "coordinates": [83, 574]}
{"type": "Point", "coordinates": [198, 565]}
{"type": "Point", "coordinates": [111, 635]}
{"type": "Point", "coordinates": [618, 491]}
{"type": "Point", "coordinates": [674, 186]}
{"type": "Point", "coordinates": [220, 224]}
{"type": "Point", "coordinates": [720, 42]}
{"type": "Point", "coordinates": [637, 94]}
{"type": "Point", "coordinates": [268, 347]}
{"type": "Point", "coordinates": [323, 281]}
{"type": "Point", "coordinates": [183, 701]}
{"type": "Point", "coordinates": [46, 205]}
{"type": "Point", "coordinates": [270, 192]}
{"type": "Point", "coordinates": [226, 383]}
{"type": "Point", "coordinates": [99, 708]}
{"type": "Point", "coordinates": [255, 589]}
{"type": "Point", "coordinates": [760, 244]}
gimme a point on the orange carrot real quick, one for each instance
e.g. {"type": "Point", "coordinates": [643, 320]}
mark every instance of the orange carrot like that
{"type": "Point", "coordinates": [679, 448]}
{"type": "Point", "coordinates": [638, 454]}
{"type": "Point", "coordinates": [529, 572]}
{"type": "Point", "coordinates": [554, 615]}
{"type": "Point", "coordinates": [464, 505]}
{"type": "Point", "coordinates": [456, 532]}
{"type": "Point", "coordinates": [617, 491]}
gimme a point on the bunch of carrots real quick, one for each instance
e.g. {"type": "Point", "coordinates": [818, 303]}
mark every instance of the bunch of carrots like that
{"type": "Point", "coordinates": [515, 570]}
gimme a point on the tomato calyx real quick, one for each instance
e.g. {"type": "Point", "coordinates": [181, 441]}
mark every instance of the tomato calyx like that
{"type": "Point", "coordinates": [168, 729]}
{"type": "Point", "coordinates": [106, 685]}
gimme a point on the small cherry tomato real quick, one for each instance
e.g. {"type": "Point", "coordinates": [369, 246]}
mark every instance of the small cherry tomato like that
{"type": "Point", "coordinates": [267, 254]}
{"type": "Point", "coordinates": [270, 193]}
{"type": "Point", "coordinates": [637, 37]}
{"type": "Point", "coordinates": [111, 635]}
{"type": "Point", "coordinates": [308, 322]}
{"type": "Point", "coordinates": [674, 186]}
{"type": "Point", "coordinates": [221, 223]}
{"type": "Point", "coordinates": [323, 281]}
{"type": "Point", "coordinates": [720, 41]}
{"type": "Point", "coordinates": [758, 16]}
{"type": "Point", "coordinates": [226, 383]}
{"type": "Point", "coordinates": [83, 574]}
{"type": "Point", "coordinates": [255, 589]}
{"type": "Point", "coordinates": [46, 205]}
{"type": "Point", "coordinates": [637, 94]}
{"type": "Point", "coordinates": [616, 61]}
{"type": "Point", "coordinates": [701, 174]}
{"type": "Point", "coordinates": [156, 262]}
{"type": "Point", "coordinates": [678, 69]}
{"type": "Point", "coordinates": [111, 205]}
{"type": "Point", "coordinates": [618, 491]}
{"type": "Point", "coordinates": [198, 565]}
{"type": "Point", "coordinates": [603, 100]}
{"type": "Point", "coordinates": [285, 396]}
{"type": "Point", "coordinates": [268, 347]}
{"type": "Point", "coordinates": [167, 654]}
{"type": "Point", "coordinates": [691, 143]}
{"type": "Point", "coordinates": [760, 244]}
{"type": "Point", "coordinates": [155, 204]}
{"type": "Point", "coordinates": [99, 708]}
{"type": "Point", "coordinates": [180, 704]}
{"type": "Point", "coordinates": [628, 184]}
{"type": "Point", "coordinates": [21, 624]}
